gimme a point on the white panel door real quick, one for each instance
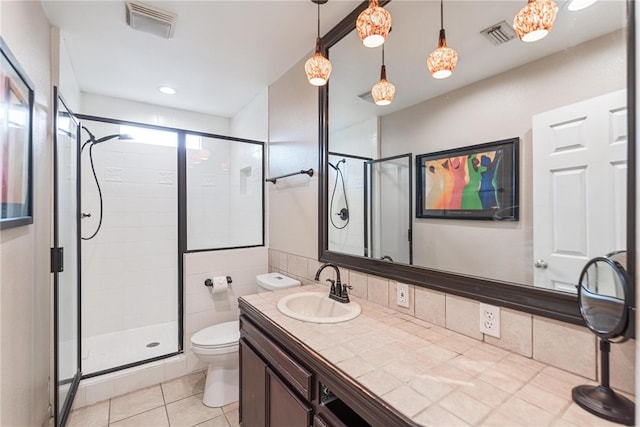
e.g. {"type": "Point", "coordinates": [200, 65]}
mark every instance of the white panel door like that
{"type": "Point", "coordinates": [579, 187]}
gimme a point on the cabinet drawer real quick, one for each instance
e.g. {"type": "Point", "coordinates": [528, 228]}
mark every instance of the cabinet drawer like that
{"type": "Point", "coordinates": [298, 377]}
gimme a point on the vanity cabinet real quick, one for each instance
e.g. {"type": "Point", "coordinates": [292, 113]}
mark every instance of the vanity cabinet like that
{"type": "Point", "coordinates": [284, 384]}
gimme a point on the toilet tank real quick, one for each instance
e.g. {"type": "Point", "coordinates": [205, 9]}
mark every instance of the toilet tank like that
{"type": "Point", "coordinates": [275, 281]}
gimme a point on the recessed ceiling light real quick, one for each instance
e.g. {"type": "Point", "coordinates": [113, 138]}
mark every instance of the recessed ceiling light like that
{"type": "Point", "coordinates": [575, 5]}
{"type": "Point", "coordinates": [167, 90]}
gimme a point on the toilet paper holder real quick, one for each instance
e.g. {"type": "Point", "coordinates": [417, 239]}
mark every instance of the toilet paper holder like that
{"type": "Point", "coordinates": [209, 282]}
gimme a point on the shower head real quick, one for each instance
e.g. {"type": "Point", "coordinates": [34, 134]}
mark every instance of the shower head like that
{"type": "Point", "coordinates": [337, 165]}
{"type": "Point", "coordinates": [108, 137]}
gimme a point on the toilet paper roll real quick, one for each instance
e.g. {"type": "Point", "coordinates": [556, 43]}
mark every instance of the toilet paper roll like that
{"type": "Point", "coordinates": [219, 285]}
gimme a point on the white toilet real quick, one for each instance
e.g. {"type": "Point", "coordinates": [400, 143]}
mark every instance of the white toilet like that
{"type": "Point", "coordinates": [217, 346]}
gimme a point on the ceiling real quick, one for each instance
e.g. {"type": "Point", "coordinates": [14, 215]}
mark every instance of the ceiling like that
{"type": "Point", "coordinates": [221, 56]}
{"type": "Point", "coordinates": [224, 53]}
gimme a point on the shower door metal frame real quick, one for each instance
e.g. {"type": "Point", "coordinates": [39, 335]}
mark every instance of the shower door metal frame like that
{"type": "Point", "coordinates": [368, 203]}
{"type": "Point", "coordinates": [57, 253]}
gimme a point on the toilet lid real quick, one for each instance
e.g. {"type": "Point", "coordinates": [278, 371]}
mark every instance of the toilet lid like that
{"type": "Point", "coordinates": [220, 335]}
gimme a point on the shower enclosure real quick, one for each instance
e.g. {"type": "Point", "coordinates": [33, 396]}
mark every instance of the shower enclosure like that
{"type": "Point", "coordinates": [129, 211]}
{"type": "Point", "coordinates": [370, 203]}
{"type": "Point", "coordinates": [150, 195]}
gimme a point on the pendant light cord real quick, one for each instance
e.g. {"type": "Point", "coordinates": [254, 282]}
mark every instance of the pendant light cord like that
{"type": "Point", "coordinates": [318, 19]}
{"type": "Point", "coordinates": [383, 54]}
{"type": "Point", "coordinates": [441, 15]}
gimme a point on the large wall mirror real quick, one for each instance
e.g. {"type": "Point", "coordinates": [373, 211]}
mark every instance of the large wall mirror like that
{"type": "Point", "coordinates": [564, 98]}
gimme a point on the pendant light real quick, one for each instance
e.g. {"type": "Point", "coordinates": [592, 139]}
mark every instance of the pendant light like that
{"type": "Point", "coordinates": [443, 60]}
{"type": "Point", "coordinates": [318, 68]}
{"type": "Point", "coordinates": [373, 24]}
{"type": "Point", "coordinates": [383, 91]}
{"type": "Point", "coordinates": [535, 20]}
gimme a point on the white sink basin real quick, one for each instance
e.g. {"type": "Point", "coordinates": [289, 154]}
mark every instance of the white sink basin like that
{"type": "Point", "coordinates": [317, 307]}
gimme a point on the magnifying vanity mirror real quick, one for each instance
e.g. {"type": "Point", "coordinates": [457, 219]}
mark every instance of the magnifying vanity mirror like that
{"type": "Point", "coordinates": [564, 98]}
{"type": "Point", "coordinates": [607, 305]}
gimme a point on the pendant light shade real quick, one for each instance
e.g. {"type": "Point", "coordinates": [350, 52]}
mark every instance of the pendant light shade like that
{"type": "Point", "coordinates": [318, 68]}
{"type": "Point", "coordinates": [383, 91]}
{"type": "Point", "coordinates": [373, 24]}
{"type": "Point", "coordinates": [535, 20]}
{"type": "Point", "coordinates": [443, 60]}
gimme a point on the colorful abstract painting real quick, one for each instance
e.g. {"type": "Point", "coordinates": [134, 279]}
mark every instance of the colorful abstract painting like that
{"type": "Point", "coordinates": [475, 182]}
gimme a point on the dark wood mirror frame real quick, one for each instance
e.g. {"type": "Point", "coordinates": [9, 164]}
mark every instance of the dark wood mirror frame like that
{"type": "Point", "coordinates": [543, 302]}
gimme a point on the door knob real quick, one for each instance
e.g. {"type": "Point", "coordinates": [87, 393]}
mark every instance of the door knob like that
{"type": "Point", "coordinates": [541, 264]}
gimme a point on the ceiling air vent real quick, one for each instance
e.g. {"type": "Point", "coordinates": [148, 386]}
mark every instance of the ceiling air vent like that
{"type": "Point", "coordinates": [499, 33]}
{"type": "Point", "coordinates": [366, 96]}
{"type": "Point", "coordinates": [149, 19]}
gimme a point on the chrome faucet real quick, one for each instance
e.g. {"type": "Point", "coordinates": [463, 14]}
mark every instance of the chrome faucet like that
{"type": "Point", "coordinates": [339, 291]}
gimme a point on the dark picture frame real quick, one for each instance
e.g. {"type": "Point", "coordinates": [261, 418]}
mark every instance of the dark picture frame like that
{"type": "Point", "coordinates": [475, 182]}
{"type": "Point", "coordinates": [16, 142]}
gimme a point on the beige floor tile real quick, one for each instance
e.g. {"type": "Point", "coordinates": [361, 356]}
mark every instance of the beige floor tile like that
{"type": "Point", "coordinates": [153, 418]}
{"type": "Point", "coordinates": [182, 387]}
{"type": "Point", "coordinates": [219, 421]}
{"type": "Point", "coordinates": [90, 416]}
{"type": "Point", "coordinates": [407, 400]}
{"type": "Point", "coordinates": [231, 407]}
{"type": "Point", "coordinates": [233, 418]}
{"type": "Point", "coordinates": [135, 403]}
{"type": "Point", "coordinates": [190, 411]}
{"type": "Point", "coordinates": [437, 416]}
{"type": "Point", "coordinates": [465, 407]}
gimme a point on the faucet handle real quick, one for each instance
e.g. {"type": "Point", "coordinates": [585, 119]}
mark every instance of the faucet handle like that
{"type": "Point", "coordinates": [345, 290]}
{"type": "Point", "coordinates": [333, 282]}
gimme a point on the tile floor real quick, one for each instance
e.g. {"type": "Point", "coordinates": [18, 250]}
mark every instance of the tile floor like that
{"type": "Point", "coordinates": [175, 403]}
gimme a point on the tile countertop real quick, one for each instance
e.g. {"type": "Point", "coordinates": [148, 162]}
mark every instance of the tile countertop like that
{"type": "Point", "coordinates": [433, 375]}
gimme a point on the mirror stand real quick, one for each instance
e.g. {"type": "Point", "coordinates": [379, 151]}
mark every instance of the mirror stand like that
{"type": "Point", "coordinates": [602, 400]}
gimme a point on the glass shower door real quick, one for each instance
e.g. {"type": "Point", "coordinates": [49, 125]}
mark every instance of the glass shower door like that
{"type": "Point", "coordinates": [65, 259]}
{"type": "Point", "coordinates": [388, 221]}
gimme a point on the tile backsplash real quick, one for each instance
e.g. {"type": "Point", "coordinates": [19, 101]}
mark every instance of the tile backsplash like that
{"type": "Point", "coordinates": [569, 347]}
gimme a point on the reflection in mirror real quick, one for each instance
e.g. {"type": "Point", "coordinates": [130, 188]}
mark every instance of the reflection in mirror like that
{"type": "Point", "coordinates": [564, 97]}
{"type": "Point", "coordinates": [606, 304]}
{"type": "Point", "coordinates": [603, 295]}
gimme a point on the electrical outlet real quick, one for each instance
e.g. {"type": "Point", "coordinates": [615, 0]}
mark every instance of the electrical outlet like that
{"type": "Point", "coordinates": [490, 320]}
{"type": "Point", "coordinates": [403, 295]}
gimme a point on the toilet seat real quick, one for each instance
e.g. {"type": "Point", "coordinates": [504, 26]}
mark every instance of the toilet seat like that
{"type": "Point", "coordinates": [223, 336]}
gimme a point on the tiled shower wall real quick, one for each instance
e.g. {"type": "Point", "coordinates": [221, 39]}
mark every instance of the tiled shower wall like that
{"type": "Point", "coordinates": [565, 346]}
{"type": "Point", "coordinates": [133, 257]}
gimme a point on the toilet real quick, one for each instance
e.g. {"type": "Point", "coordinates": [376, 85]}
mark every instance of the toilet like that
{"type": "Point", "coordinates": [217, 346]}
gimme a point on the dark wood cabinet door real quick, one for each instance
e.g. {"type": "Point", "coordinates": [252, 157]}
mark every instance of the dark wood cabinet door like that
{"type": "Point", "coordinates": [285, 408]}
{"type": "Point", "coordinates": [253, 388]}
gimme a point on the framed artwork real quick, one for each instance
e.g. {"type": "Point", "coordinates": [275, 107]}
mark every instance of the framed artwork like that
{"type": "Point", "coordinates": [475, 182]}
{"type": "Point", "coordinates": [16, 142]}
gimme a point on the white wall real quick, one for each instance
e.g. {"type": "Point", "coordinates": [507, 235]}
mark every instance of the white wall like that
{"type": "Point", "coordinates": [463, 118]}
{"type": "Point", "coordinates": [25, 281]}
{"type": "Point", "coordinates": [293, 146]}
{"type": "Point", "coordinates": [123, 109]}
